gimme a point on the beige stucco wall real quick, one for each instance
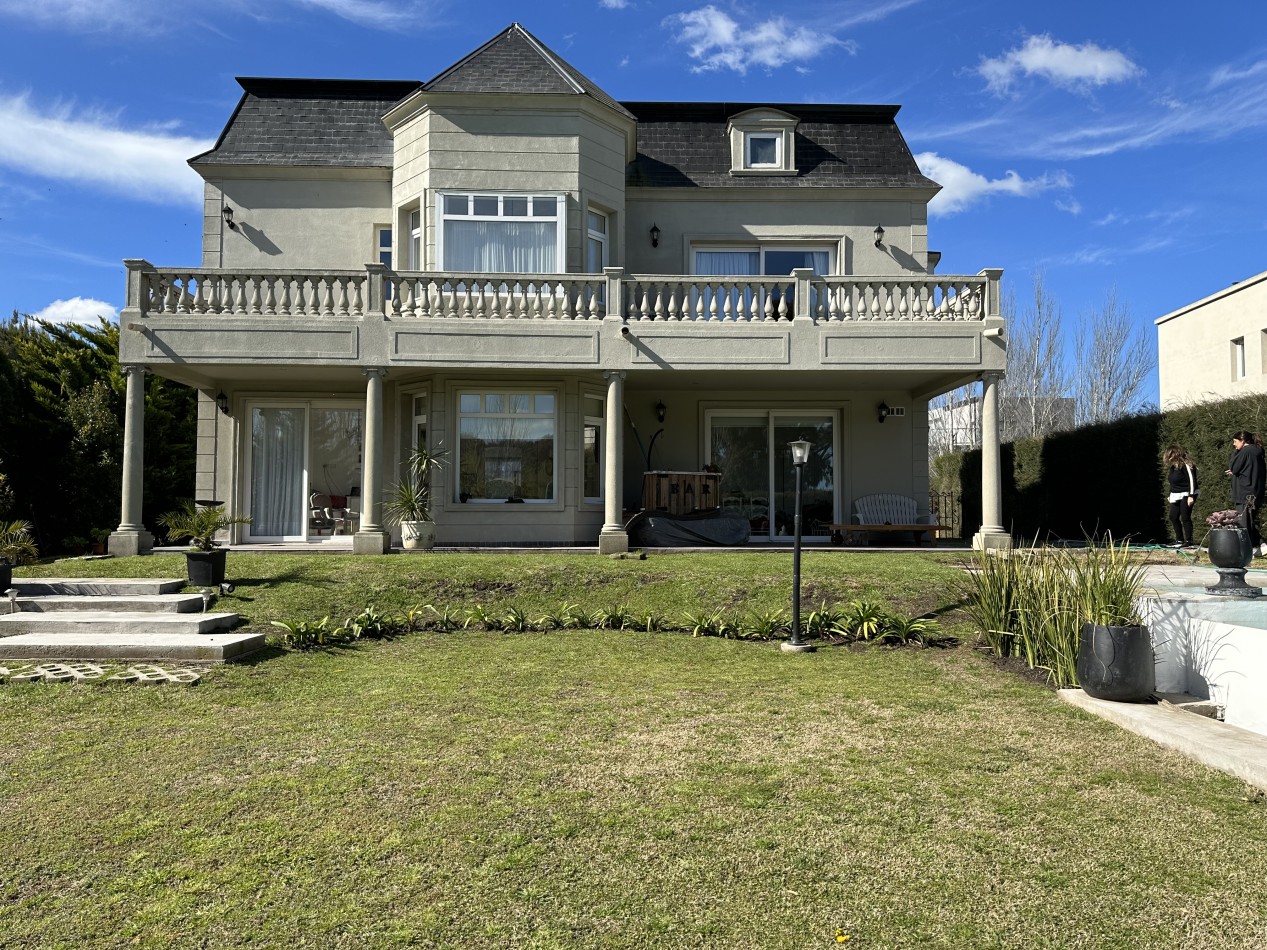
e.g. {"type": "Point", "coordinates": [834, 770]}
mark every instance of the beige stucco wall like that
{"type": "Point", "coordinates": [1195, 351]}
{"type": "Point", "coordinates": [525, 149]}
{"type": "Point", "coordinates": [694, 217]}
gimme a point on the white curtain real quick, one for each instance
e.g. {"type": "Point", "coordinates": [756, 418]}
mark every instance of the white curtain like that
{"type": "Point", "coordinates": [727, 263]}
{"type": "Point", "coordinates": [500, 247]}
{"type": "Point", "coordinates": [277, 473]}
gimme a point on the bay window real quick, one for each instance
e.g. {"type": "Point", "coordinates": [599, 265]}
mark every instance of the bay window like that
{"type": "Point", "coordinates": [501, 233]}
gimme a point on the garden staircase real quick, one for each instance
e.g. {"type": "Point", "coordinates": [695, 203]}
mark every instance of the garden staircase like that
{"type": "Point", "coordinates": [116, 619]}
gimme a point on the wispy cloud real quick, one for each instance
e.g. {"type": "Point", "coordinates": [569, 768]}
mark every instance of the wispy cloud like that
{"type": "Point", "coordinates": [1062, 64]}
{"type": "Point", "coordinates": [93, 149]}
{"type": "Point", "coordinates": [962, 187]}
{"type": "Point", "coordinates": [110, 15]}
{"type": "Point", "coordinates": [1230, 74]}
{"type": "Point", "coordinates": [1101, 254]}
{"type": "Point", "coordinates": [718, 41]}
{"type": "Point", "coordinates": [78, 310]}
{"type": "Point", "coordinates": [613, 4]}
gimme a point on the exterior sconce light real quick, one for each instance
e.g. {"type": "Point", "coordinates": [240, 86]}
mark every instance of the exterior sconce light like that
{"type": "Point", "coordinates": [227, 213]}
{"type": "Point", "coordinates": [800, 455]}
{"type": "Point", "coordinates": [222, 402]}
{"type": "Point", "coordinates": [882, 411]}
{"type": "Point", "coordinates": [659, 411]}
{"type": "Point", "coordinates": [879, 236]}
{"type": "Point", "coordinates": [655, 236]}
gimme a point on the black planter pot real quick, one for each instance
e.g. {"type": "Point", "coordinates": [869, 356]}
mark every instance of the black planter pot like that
{"type": "Point", "coordinates": [206, 568]}
{"type": "Point", "coordinates": [1230, 547]}
{"type": "Point", "coordinates": [6, 576]}
{"type": "Point", "coordinates": [1116, 663]}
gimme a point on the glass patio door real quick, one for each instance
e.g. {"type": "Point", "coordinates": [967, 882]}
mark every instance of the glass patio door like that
{"type": "Point", "coordinates": [304, 457]}
{"type": "Point", "coordinates": [758, 480]}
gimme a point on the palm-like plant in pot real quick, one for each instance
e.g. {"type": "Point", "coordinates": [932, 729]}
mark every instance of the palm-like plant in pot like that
{"type": "Point", "coordinates": [1115, 652]}
{"type": "Point", "coordinates": [200, 524]}
{"type": "Point", "coordinates": [16, 547]}
{"type": "Point", "coordinates": [408, 501]}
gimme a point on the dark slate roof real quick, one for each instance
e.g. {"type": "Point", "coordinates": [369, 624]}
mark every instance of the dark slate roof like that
{"type": "Point", "coordinates": [686, 144]}
{"type": "Point", "coordinates": [323, 122]}
{"type": "Point", "coordinates": [516, 61]}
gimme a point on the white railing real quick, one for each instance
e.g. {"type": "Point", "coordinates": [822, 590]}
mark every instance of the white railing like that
{"type": "Point", "coordinates": [634, 298]}
{"type": "Point", "coordinates": [258, 294]}
{"type": "Point", "coordinates": [497, 296]}
{"type": "Point", "coordinates": [910, 298]}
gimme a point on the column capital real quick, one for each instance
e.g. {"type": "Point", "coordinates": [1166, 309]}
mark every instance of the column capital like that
{"type": "Point", "coordinates": [610, 374]}
{"type": "Point", "coordinates": [378, 371]}
{"type": "Point", "coordinates": [992, 377]}
{"type": "Point", "coordinates": [133, 368]}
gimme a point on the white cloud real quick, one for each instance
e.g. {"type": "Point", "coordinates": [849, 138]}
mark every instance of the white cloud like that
{"type": "Point", "coordinates": [717, 41]}
{"type": "Point", "coordinates": [91, 148]}
{"type": "Point", "coordinates": [78, 310]}
{"type": "Point", "coordinates": [962, 187]}
{"type": "Point", "coordinates": [1227, 74]}
{"type": "Point", "coordinates": [108, 15]}
{"type": "Point", "coordinates": [1072, 67]}
{"type": "Point", "coordinates": [613, 4]}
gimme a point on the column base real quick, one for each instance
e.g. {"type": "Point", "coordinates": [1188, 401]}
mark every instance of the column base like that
{"type": "Point", "coordinates": [787, 646]}
{"type": "Point", "coordinates": [130, 543]}
{"type": "Point", "coordinates": [990, 538]}
{"type": "Point", "coordinates": [371, 542]}
{"type": "Point", "coordinates": [613, 541]}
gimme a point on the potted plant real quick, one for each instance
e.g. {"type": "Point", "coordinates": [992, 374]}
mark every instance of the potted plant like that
{"type": "Point", "coordinates": [205, 558]}
{"type": "Point", "coordinates": [1115, 652]}
{"type": "Point", "coordinates": [408, 502]}
{"type": "Point", "coordinates": [1229, 540]}
{"type": "Point", "coordinates": [16, 547]}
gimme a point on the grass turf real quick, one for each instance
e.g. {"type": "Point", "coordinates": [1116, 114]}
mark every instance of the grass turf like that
{"type": "Point", "coordinates": [603, 789]}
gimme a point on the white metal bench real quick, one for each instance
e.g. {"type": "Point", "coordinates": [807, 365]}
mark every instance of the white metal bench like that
{"type": "Point", "coordinates": [885, 512]}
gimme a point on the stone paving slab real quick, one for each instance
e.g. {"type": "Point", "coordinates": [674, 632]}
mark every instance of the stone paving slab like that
{"type": "Point", "coordinates": [81, 622]}
{"type": "Point", "coordinates": [1236, 751]}
{"type": "Point", "coordinates": [97, 586]}
{"type": "Point", "coordinates": [195, 647]}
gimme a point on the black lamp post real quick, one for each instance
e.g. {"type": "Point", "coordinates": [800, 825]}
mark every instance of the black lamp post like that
{"type": "Point", "coordinates": [800, 455]}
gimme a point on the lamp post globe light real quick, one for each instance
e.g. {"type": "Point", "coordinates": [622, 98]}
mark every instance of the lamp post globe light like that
{"type": "Point", "coordinates": [800, 455]}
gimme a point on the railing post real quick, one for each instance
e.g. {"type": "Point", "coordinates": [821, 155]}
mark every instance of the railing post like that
{"type": "Point", "coordinates": [375, 289]}
{"type": "Point", "coordinates": [137, 268]}
{"type": "Point", "coordinates": [992, 305]}
{"type": "Point", "coordinates": [802, 276]}
{"type": "Point", "coordinates": [615, 278]}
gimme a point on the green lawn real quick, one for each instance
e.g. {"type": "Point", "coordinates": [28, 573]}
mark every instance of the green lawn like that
{"type": "Point", "coordinates": [606, 789]}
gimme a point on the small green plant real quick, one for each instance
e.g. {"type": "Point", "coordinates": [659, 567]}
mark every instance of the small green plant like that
{"type": "Point", "coordinates": [199, 524]}
{"type": "Point", "coordinates": [766, 625]}
{"type": "Point", "coordinates": [409, 499]}
{"type": "Point", "coordinates": [820, 621]}
{"type": "Point", "coordinates": [307, 634]}
{"type": "Point", "coordinates": [516, 620]}
{"type": "Point", "coordinates": [619, 617]}
{"type": "Point", "coordinates": [446, 618]}
{"type": "Point", "coordinates": [651, 622]}
{"type": "Point", "coordinates": [16, 544]}
{"type": "Point", "coordinates": [861, 620]}
{"type": "Point", "coordinates": [921, 630]}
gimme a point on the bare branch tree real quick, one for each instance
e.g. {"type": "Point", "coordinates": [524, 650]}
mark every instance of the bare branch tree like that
{"type": "Point", "coordinates": [954, 420]}
{"type": "Point", "coordinates": [1034, 395]}
{"type": "Point", "coordinates": [1114, 358]}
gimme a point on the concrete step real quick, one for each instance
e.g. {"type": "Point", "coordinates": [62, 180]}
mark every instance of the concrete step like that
{"type": "Point", "coordinates": [96, 586]}
{"type": "Point", "coordinates": [131, 603]}
{"type": "Point", "coordinates": [91, 645]}
{"type": "Point", "coordinates": [101, 622]}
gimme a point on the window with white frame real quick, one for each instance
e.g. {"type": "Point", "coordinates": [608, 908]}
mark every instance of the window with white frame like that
{"type": "Point", "coordinates": [592, 447]}
{"type": "Point", "coordinates": [506, 442]}
{"type": "Point", "coordinates": [501, 233]}
{"type": "Point", "coordinates": [1238, 358]}
{"type": "Point", "coordinates": [595, 242]}
{"type": "Point", "coordinates": [420, 421]}
{"type": "Point", "coordinates": [763, 150]}
{"type": "Point", "coordinates": [415, 239]}
{"type": "Point", "coordinates": [384, 245]}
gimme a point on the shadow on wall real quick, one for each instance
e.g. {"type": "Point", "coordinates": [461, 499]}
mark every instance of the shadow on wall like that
{"type": "Point", "coordinates": [259, 239]}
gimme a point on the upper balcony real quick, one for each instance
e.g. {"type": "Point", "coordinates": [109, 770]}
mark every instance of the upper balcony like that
{"type": "Point", "coordinates": [932, 329]}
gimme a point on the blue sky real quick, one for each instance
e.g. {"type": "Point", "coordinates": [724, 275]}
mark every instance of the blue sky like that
{"type": "Point", "coordinates": [1104, 144]}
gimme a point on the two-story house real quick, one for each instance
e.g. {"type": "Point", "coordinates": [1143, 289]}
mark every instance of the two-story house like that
{"type": "Point", "coordinates": [560, 290]}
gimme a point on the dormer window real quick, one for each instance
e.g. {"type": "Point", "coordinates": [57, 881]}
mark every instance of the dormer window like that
{"type": "Point", "coordinates": [762, 143]}
{"type": "Point", "coordinates": [761, 150]}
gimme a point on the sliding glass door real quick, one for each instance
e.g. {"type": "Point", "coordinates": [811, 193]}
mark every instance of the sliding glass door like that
{"type": "Point", "coordinates": [758, 480]}
{"type": "Point", "coordinates": [304, 471]}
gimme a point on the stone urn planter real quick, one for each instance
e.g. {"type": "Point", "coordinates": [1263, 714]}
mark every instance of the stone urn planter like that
{"type": "Point", "coordinates": [1116, 663]}
{"type": "Point", "coordinates": [1231, 553]}
{"type": "Point", "coordinates": [418, 535]}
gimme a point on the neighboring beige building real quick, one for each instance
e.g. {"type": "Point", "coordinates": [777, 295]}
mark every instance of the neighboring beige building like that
{"type": "Point", "coordinates": [1215, 348]}
{"type": "Point", "coordinates": [562, 291]}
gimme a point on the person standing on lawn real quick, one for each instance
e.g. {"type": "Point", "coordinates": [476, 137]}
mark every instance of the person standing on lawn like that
{"type": "Point", "coordinates": [1181, 474]}
{"type": "Point", "coordinates": [1249, 479]}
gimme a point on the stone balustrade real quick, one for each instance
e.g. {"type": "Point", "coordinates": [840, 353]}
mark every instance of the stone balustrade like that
{"type": "Point", "coordinates": [635, 298]}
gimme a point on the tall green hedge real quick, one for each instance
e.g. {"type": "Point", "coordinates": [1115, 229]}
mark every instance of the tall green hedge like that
{"type": "Point", "coordinates": [1106, 478]}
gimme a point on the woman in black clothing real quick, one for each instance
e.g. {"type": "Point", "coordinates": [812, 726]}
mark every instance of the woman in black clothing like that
{"type": "Point", "coordinates": [1181, 474]}
{"type": "Point", "coordinates": [1249, 478]}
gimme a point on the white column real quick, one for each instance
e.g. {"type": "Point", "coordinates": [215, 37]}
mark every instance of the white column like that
{"type": "Point", "coordinates": [613, 539]}
{"type": "Point", "coordinates": [131, 538]}
{"type": "Point", "coordinates": [992, 534]}
{"type": "Point", "coordinates": [371, 538]}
